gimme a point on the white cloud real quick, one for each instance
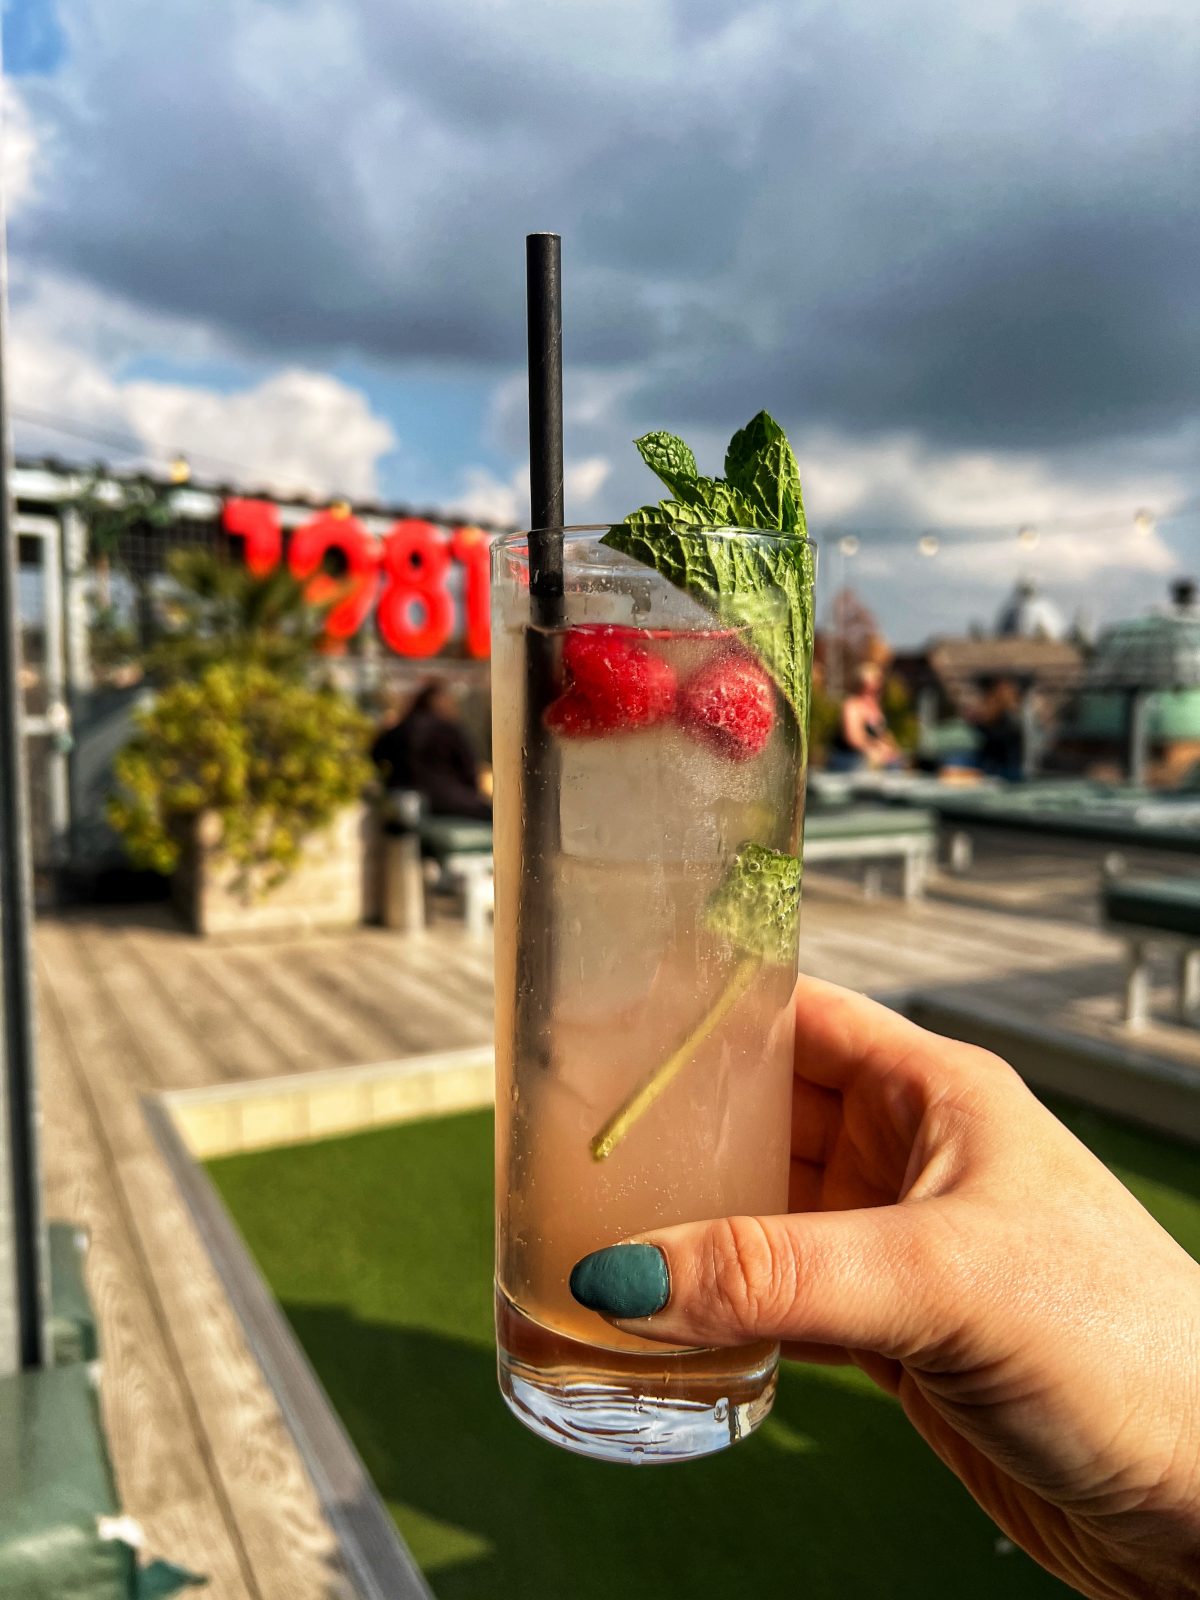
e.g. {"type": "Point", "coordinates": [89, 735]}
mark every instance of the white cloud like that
{"type": "Point", "coordinates": [294, 430]}
{"type": "Point", "coordinates": [1084, 515]}
{"type": "Point", "coordinates": [490, 498]}
{"type": "Point", "coordinates": [582, 482]}
{"type": "Point", "coordinates": [297, 429]}
{"type": "Point", "coordinates": [18, 169]}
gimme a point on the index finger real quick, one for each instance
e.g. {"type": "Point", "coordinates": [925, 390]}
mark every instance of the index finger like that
{"type": "Point", "coordinates": [841, 1035]}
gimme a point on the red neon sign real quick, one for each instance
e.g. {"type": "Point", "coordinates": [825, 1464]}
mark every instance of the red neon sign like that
{"type": "Point", "coordinates": [309, 547]}
{"type": "Point", "coordinates": [256, 522]}
{"type": "Point", "coordinates": [403, 576]}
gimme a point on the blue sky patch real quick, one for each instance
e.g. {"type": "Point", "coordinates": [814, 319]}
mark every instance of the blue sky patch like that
{"type": "Point", "coordinates": [34, 42]}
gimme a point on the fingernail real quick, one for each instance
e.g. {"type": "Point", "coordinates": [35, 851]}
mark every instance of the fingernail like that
{"type": "Point", "coordinates": [626, 1280]}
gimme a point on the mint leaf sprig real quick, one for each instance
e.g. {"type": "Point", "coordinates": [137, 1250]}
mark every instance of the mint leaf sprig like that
{"type": "Point", "coordinates": [761, 465]}
{"type": "Point", "coordinates": [765, 591]}
{"type": "Point", "coordinates": [755, 910]}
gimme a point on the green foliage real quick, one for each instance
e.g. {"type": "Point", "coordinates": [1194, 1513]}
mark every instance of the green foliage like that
{"type": "Point", "coordinates": [757, 906]}
{"type": "Point", "coordinates": [272, 759]}
{"type": "Point", "coordinates": [112, 642]}
{"type": "Point", "coordinates": [760, 489]}
{"type": "Point", "coordinates": [113, 507]}
{"type": "Point", "coordinates": [900, 714]}
{"type": "Point", "coordinates": [824, 716]}
{"type": "Point", "coordinates": [761, 465]}
{"type": "Point", "coordinates": [766, 590]}
{"type": "Point", "coordinates": [672, 460]}
{"type": "Point", "coordinates": [221, 612]}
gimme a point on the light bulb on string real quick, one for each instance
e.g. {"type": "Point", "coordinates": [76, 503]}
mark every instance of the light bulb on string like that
{"type": "Point", "coordinates": [1027, 538]}
{"type": "Point", "coordinates": [928, 544]}
{"type": "Point", "coordinates": [1143, 524]}
{"type": "Point", "coordinates": [848, 545]}
{"type": "Point", "coordinates": [340, 510]}
{"type": "Point", "coordinates": [180, 470]}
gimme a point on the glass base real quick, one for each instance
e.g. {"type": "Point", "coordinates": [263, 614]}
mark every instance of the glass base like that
{"type": "Point", "coordinates": [629, 1408]}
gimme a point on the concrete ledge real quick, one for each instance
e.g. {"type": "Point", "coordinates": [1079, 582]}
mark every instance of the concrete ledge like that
{"type": "Point", "coordinates": [263, 1112]}
{"type": "Point", "coordinates": [1125, 1082]}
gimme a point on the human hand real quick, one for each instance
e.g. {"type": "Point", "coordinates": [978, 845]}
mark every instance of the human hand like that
{"type": "Point", "coordinates": [949, 1236]}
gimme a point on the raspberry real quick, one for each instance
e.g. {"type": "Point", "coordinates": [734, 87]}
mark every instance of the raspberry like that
{"type": "Point", "coordinates": [729, 705]}
{"type": "Point", "coordinates": [613, 685]}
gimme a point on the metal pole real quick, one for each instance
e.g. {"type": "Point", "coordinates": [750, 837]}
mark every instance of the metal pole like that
{"type": "Point", "coordinates": [1031, 733]}
{"type": "Point", "coordinates": [837, 653]}
{"type": "Point", "coordinates": [1139, 705]}
{"type": "Point", "coordinates": [22, 1288]}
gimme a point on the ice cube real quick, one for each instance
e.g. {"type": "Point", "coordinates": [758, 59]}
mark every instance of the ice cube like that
{"type": "Point", "coordinates": [611, 926]}
{"type": "Point", "coordinates": [659, 796]}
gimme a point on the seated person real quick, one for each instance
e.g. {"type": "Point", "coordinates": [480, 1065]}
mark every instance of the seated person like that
{"type": "Point", "coordinates": [428, 750]}
{"type": "Point", "coordinates": [862, 739]}
{"type": "Point", "coordinates": [1001, 746]}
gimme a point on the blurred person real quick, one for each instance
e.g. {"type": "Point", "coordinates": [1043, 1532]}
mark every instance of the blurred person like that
{"type": "Point", "coordinates": [862, 738]}
{"type": "Point", "coordinates": [1000, 751]}
{"type": "Point", "coordinates": [427, 750]}
{"type": "Point", "coordinates": [950, 1237]}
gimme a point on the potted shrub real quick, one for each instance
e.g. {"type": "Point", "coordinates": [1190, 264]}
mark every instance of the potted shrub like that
{"type": "Point", "coordinates": [246, 787]}
{"type": "Point", "coordinates": [244, 781]}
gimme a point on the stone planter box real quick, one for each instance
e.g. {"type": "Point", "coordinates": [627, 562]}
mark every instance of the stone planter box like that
{"type": "Point", "coordinates": [333, 885]}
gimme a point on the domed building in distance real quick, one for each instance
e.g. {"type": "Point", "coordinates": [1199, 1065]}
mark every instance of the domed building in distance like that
{"type": "Point", "coordinates": [1026, 614]}
{"type": "Point", "coordinates": [1138, 713]}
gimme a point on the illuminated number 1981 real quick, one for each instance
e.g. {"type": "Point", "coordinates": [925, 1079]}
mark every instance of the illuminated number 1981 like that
{"type": "Point", "coordinates": [407, 570]}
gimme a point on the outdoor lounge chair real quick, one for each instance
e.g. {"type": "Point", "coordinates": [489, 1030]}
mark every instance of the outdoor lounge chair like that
{"type": "Point", "coordinates": [457, 850]}
{"type": "Point", "coordinates": [873, 835]}
{"type": "Point", "coordinates": [1153, 911]}
{"type": "Point", "coordinates": [462, 849]}
{"type": "Point", "coordinates": [1080, 813]}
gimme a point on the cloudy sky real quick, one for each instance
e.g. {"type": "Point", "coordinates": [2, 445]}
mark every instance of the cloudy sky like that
{"type": "Point", "coordinates": [953, 248]}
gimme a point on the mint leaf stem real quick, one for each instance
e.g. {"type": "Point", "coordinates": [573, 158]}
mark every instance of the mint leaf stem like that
{"type": "Point", "coordinates": [648, 1091]}
{"type": "Point", "coordinates": [755, 911]}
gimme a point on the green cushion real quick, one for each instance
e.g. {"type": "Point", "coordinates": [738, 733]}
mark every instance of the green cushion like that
{"type": "Point", "coordinates": [71, 1329]}
{"type": "Point", "coordinates": [948, 739]}
{"type": "Point", "coordinates": [1101, 822]}
{"type": "Point", "coordinates": [55, 1481]}
{"type": "Point", "coordinates": [1162, 904]}
{"type": "Point", "coordinates": [453, 836]}
{"type": "Point", "coordinates": [867, 822]}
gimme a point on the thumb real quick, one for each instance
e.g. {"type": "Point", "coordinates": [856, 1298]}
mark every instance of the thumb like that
{"type": "Point", "coordinates": [867, 1280]}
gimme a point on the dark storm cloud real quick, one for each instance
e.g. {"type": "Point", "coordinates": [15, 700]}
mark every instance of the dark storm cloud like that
{"type": "Point", "coordinates": [982, 226]}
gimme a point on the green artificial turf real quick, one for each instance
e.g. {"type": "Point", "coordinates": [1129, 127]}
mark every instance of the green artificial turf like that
{"type": "Point", "coordinates": [379, 1249]}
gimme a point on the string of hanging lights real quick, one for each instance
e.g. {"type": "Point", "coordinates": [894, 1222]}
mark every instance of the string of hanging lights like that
{"type": "Point", "coordinates": [1027, 536]}
{"type": "Point", "coordinates": [1146, 521]}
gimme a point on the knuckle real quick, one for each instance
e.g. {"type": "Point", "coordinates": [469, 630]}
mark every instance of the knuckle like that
{"type": "Point", "coordinates": [993, 1068]}
{"type": "Point", "coordinates": [746, 1281]}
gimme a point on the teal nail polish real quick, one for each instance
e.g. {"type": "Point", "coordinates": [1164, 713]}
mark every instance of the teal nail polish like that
{"type": "Point", "coordinates": [626, 1280]}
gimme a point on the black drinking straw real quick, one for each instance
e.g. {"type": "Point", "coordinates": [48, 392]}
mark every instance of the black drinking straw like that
{"type": "Point", "coordinates": [539, 810]}
{"type": "Point", "coordinates": [543, 274]}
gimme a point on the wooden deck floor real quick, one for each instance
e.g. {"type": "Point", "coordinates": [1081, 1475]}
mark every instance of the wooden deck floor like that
{"type": "Point", "coordinates": [129, 1004]}
{"type": "Point", "coordinates": [203, 1459]}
